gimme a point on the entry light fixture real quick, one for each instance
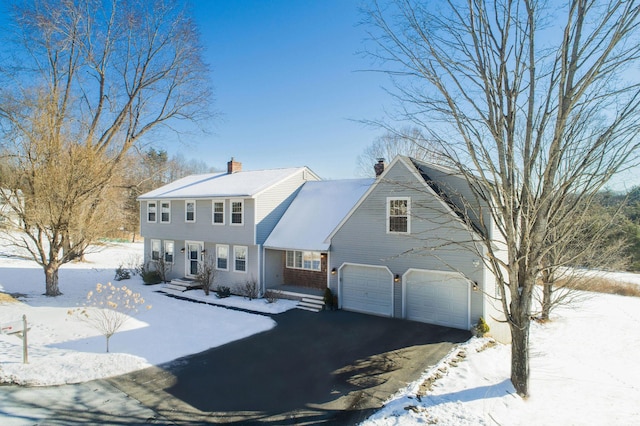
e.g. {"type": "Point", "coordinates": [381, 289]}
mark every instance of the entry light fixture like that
{"type": "Point", "coordinates": [204, 251]}
{"type": "Point", "coordinates": [475, 286]}
{"type": "Point", "coordinates": [333, 271]}
{"type": "Point", "coordinates": [396, 278]}
{"type": "Point", "coordinates": [182, 250]}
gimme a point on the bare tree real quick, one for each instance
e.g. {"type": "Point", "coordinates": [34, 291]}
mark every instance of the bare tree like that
{"type": "Point", "coordinates": [409, 141]}
{"type": "Point", "coordinates": [85, 82]}
{"type": "Point", "coordinates": [531, 103]}
{"type": "Point", "coordinates": [589, 239]}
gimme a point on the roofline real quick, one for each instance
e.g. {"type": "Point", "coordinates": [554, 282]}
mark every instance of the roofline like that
{"type": "Point", "coordinates": [295, 170]}
{"type": "Point", "coordinates": [407, 162]}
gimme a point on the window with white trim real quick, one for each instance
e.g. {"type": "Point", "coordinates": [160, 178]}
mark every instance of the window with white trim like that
{"type": "Point", "coordinates": [152, 209]}
{"type": "Point", "coordinates": [218, 212]}
{"type": "Point", "coordinates": [309, 260]}
{"type": "Point", "coordinates": [165, 212]}
{"type": "Point", "coordinates": [240, 258]}
{"type": "Point", "coordinates": [398, 211]}
{"type": "Point", "coordinates": [155, 249]}
{"type": "Point", "coordinates": [190, 211]}
{"type": "Point", "coordinates": [222, 257]}
{"type": "Point", "coordinates": [237, 212]}
{"type": "Point", "coordinates": [168, 251]}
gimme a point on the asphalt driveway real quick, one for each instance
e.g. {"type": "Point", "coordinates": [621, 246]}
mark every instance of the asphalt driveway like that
{"type": "Point", "coordinates": [329, 367]}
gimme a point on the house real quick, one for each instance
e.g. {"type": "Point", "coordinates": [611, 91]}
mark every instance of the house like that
{"type": "Point", "coordinates": [224, 217]}
{"type": "Point", "coordinates": [402, 245]}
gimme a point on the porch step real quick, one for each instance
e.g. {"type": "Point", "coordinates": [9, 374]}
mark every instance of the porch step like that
{"type": "Point", "coordinates": [181, 284]}
{"type": "Point", "coordinates": [311, 303]}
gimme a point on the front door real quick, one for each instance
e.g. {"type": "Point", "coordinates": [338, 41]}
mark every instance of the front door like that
{"type": "Point", "coordinates": [194, 258]}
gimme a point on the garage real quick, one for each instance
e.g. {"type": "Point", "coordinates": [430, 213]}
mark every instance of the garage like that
{"type": "Point", "coordinates": [436, 297]}
{"type": "Point", "coordinates": [367, 289]}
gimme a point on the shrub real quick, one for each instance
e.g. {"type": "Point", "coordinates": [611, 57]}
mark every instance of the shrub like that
{"type": "Point", "coordinates": [481, 327]}
{"type": "Point", "coordinates": [207, 274]}
{"type": "Point", "coordinates": [122, 273]}
{"type": "Point", "coordinates": [223, 291]}
{"type": "Point", "coordinates": [328, 299]}
{"type": "Point", "coordinates": [249, 289]}
{"type": "Point", "coordinates": [151, 276]}
{"type": "Point", "coordinates": [272, 296]}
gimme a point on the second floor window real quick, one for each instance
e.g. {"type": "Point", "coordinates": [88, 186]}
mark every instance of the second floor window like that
{"type": "Point", "coordinates": [190, 211]}
{"type": "Point", "coordinates": [218, 212]}
{"type": "Point", "coordinates": [236, 212]}
{"type": "Point", "coordinates": [151, 211]}
{"type": "Point", "coordinates": [398, 210]}
{"type": "Point", "coordinates": [165, 212]}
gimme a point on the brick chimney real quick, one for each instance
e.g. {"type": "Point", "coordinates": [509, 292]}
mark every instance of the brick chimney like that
{"type": "Point", "coordinates": [379, 167]}
{"type": "Point", "coordinates": [233, 166]}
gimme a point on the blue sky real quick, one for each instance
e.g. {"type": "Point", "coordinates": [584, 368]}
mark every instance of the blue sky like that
{"type": "Point", "coordinates": [288, 85]}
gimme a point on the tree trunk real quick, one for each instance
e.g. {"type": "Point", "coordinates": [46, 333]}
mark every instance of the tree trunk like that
{"type": "Point", "coordinates": [520, 357]}
{"type": "Point", "coordinates": [51, 278]}
{"type": "Point", "coordinates": [547, 292]}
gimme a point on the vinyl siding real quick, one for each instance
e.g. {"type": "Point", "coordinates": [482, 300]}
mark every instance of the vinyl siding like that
{"type": "Point", "coordinates": [203, 229]}
{"type": "Point", "coordinates": [436, 241]}
{"type": "Point", "coordinates": [272, 203]}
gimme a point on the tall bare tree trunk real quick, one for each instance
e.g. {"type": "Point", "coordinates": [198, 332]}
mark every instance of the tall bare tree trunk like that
{"type": "Point", "coordinates": [51, 278]}
{"type": "Point", "coordinates": [520, 355]}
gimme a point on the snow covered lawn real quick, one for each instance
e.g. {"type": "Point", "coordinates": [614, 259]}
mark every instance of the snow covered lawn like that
{"type": "Point", "coordinates": [585, 370]}
{"type": "Point", "coordinates": [584, 363]}
{"type": "Point", "coordinates": [65, 350]}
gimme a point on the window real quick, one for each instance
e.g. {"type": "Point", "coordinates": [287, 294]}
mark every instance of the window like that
{"type": "Point", "coordinates": [222, 258]}
{"type": "Point", "coordinates": [218, 212]}
{"type": "Point", "coordinates": [151, 211]}
{"type": "Point", "coordinates": [168, 251]}
{"type": "Point", "coordinates": [165, 212]}
{"type": "Point", "coordinates": [240, 259]}
{"type": "Point", "coordinates": [398, 210]}
{"type": "Point", "coordinates": [309, 260]}
{"type": "Point", "coordinates": [155, 249]}
{"type": "Point", "coordinates": [190, 211]}
{"type": "Point", "coordinates": [237, 212]}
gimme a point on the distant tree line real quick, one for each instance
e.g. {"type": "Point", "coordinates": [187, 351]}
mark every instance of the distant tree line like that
{"type": "Point", "coordinates": [622, 210]}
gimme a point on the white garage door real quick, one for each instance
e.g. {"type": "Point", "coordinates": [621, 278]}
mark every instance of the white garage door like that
{"type": "Point", "coordinates": [367, 289]}
{"type": "Point", "coordinates": [437, 297]}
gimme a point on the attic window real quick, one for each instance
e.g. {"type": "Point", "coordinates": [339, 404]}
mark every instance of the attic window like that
{"type": "Point", "coordinates": [398, 210]}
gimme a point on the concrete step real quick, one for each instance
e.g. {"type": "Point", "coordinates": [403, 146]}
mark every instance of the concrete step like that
{"type": "Point", "coordinates": [176, 287]}
{"type": "Point", "coordinates": [307, 308]}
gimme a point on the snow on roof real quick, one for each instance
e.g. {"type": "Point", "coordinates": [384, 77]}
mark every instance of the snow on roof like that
{"type": "Point", "coordinates": [315, 212]}
{"type": "Point", "coordinates": [239, 184]}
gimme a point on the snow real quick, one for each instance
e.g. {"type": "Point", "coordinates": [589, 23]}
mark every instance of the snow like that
{"type": "Point", "coordinates": [584, 370]}
{"type": "Point", "coordinates": [246, 183]}
{"type": "Point", "coordinates": [63, 349]}
{"type": "Point", "coordinates": [584, 362]}
{"type": "Point", "coordinates": [323, 204]}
